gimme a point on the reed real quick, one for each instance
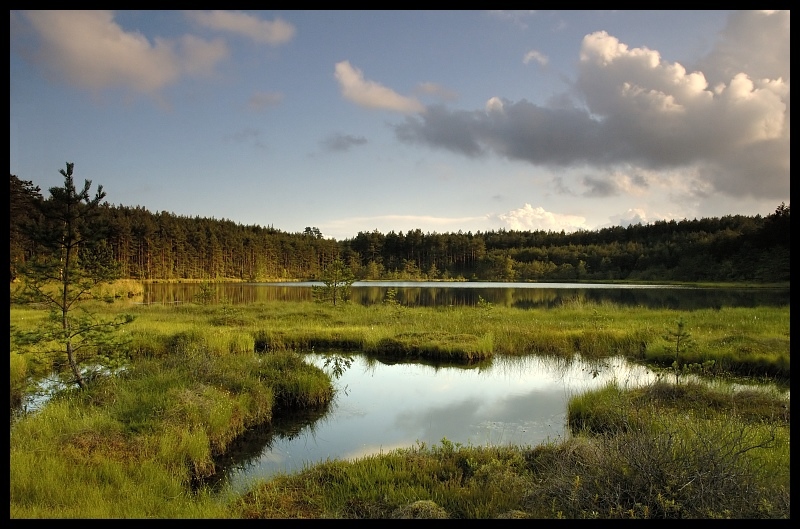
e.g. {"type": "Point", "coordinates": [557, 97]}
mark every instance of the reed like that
{"type": "Point", "coordinates": [121, 288]}
{"type": "Point", "coordinates": [745, 341]}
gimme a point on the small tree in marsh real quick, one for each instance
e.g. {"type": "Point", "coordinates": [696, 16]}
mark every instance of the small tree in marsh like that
{"type": "Point", "coordinates": [338, 278]}
{"type": "Point", "coordinates": [682, 339]}
{"type": "Point", "coordinates": [72, 257]}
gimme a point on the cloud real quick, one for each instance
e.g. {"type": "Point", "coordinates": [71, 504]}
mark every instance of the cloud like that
{"type": "Point", "coordinates": [346, 228]}
{"type": "Point", "coordinates": [262, 100]}
{"type": "Point", "coordinates": [528, 218]}
{"type": "Point", "coordinates": [342, 142]}
{"type": "Point", "coordinates": [631, 216]}
{"type": "Point", "coordinates": [614, 184]}
{"type": "Point", "coordinates": [90, 50]}
{"type": "Point", "coordinates": [371, 94]}
{"type": "Point", "coordinates": [534, 55]}
{"type": "Point", "coordinates": [642, 113]}
{"type": "Point", "coordinates": [519, 130]}
{"type": "Point", "coordinates": [261, 31]}
{"type": "Point", "coordinates": [755, 42]}
{"type": "Point", "coordinates": [436, 90]}
{"type": "Point", "coordinates": [515, 17]}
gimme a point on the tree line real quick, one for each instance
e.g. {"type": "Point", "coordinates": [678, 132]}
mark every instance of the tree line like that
{"type": "Point", "coordinates": [165, 246]}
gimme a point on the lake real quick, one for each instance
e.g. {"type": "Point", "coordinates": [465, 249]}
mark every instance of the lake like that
{"type": "Point", "coordinates": [517, 295]}
{"type": "Point", "coordinates": [382, 406]}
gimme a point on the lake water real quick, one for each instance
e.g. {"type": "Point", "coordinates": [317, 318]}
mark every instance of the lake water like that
{"type": "Point", "coordinates": [379, 407]}
{"type": "Point", "coordinates": [517, 295]}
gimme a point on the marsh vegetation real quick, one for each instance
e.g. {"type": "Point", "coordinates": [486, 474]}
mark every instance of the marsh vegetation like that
{"type": "Point", "coordinates": [193, 377]}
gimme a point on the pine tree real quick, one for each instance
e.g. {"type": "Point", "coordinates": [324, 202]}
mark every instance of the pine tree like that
{"type": "Point", "coordinates": [72, 256]}
{"type": "Point", "coordinates": [338, 278]}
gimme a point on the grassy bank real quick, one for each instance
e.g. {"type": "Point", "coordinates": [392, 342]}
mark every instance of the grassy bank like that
{"type": "Point", "coordinates": [134, 445]}
{"type": "Point", "coordinates": [138, 444]}
{"type": "Point", "coordinates": [655, 452]}
{"type": "Point", "coordinates": [742, 341]}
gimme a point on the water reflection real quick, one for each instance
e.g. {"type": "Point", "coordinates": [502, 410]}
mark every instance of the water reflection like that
{"type": "Point", "coordinates": [519, 401]}
{"type": "Point", "coordinates": [517, 295]}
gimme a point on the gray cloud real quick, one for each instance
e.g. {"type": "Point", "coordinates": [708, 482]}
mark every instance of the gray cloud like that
{"type": "Point", "coordinates": [260, 101]}
{"type": "Point", "coordinates": [643, 112]}
{"type": "Point", "coordinates": [756, 42]}
{"type": "Point", "coordinates": [246, 136]}
{"type": "Point", "coordinates": [519, 130]}
{"type": "Point", "coordinates": [342, 142]}
{"type": "Point", "coordinates": [600, 188]}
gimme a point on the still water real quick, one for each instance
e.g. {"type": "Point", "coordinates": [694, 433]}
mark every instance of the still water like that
{"type": "Point", "coordinates": [379, 407]}
{"type": "Point", "coordinates": [517, 295]}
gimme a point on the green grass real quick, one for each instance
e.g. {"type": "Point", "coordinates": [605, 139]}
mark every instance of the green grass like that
{"type": "Point", "coordinates": [743, 341]}
{"type": "Point", "coordinates": [137, 445]}
{"type": "Point", "coordinates": [641, 461]}
{"type": "Point", "coordinates": [134, 444]}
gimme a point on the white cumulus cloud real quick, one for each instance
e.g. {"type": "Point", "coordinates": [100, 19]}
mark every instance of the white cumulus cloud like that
{"type": "Point", "coordinates": [371, 94]}
{"type": "Point", "coordinates": [90, 50]}
{"type": "Point", "coordinates": [723, 121]}
{"type": "Point", "coordinates": [537, 56]}
{"type": "Point", "coordinates": [272, 32]}
{"type": "Point", "coordinates": [528, 218]}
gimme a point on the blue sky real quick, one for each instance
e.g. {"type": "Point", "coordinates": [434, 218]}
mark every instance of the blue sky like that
{"type": "Point", "coordinates": [395, 120]}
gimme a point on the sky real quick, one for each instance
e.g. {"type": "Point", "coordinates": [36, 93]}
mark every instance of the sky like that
{"type": "Point", "coordinates": [443, 121]}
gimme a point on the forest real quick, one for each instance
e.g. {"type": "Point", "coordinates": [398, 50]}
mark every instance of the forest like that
{"type": "Point", "coordinates": [163, 246]}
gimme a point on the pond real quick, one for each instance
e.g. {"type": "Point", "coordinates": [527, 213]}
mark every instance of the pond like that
{"type": "Point", "coordinates": [517, 295]}
{"type": "Point", "coordinates": [382, 406]}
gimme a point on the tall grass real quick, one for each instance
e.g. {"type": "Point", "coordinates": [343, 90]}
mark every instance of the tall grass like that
{"type": "Point", "coordinates": [138, 444]}
{"type": "Point", "coordinates": [660, 454]}
{"type": "Point", "coordinates": [745, 341]}
{"type": "Point", "coordinates": [133, 445]}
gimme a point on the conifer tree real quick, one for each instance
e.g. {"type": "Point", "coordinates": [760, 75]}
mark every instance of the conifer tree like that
{"type": "Point", "coordinates": [338, 278]}
{"type": "Point", "coordinates": [72, 256]}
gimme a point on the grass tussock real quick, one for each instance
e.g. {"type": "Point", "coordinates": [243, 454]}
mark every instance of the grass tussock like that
{"type": "Point", "coordinates": [136, 444]}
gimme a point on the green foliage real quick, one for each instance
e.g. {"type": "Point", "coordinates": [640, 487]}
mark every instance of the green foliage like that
{"type": "Point", "coordinates": [338, 364]}
{"type": "Point", "coordinates": [72, 257]}
{"type": "Point", "coordinates": [206, 293]}
{"type": "Point", "coordinates": [683, 341]}
{"type": "Point", "coordinates": [390, 301]}
{"type": "Point", "coordinates": [23, 196]}
{"type": "Point", "coordinates": [391, 298]}
{"type": "Point", "coordinates": [485, 307]}
{"type": "Point", "coordinates": [732, 248]}
{"type": "Point", "coordinates": [670, 451]}
{"type": "Point", "coordinates": [338, 277]}
{"type": "Point", "coordinates": [131, 445]}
